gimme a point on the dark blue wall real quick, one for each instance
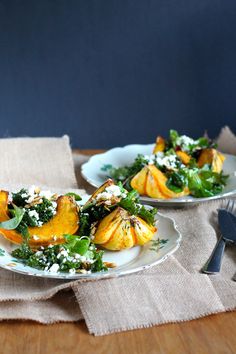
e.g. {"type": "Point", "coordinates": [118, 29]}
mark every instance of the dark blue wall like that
{"type": "Point", "coordinates": [112, 72]}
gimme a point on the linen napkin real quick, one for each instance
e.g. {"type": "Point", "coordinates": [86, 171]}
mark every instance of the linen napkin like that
{"type": "Point", "coordinates": [46, 162]}
{"type": "Point", "coordinates": [172, 291]}
{"type": "Point", "coordinates": [175, 290]}
{"type": "Point", "coordinates": [38, 161]}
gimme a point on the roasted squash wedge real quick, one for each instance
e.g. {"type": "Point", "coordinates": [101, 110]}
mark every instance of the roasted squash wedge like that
{"type": "Point", "coordinates": [66, 221]}
{"type": "Point", "coordinates": [184, 157]}
{"type": "Point", "coordinates": [3, 205]}
{"type": "Point", "coordinates": [211, 157]}
{"type": "Point", "coordinates": [160, 145]}
{"type": "Point", "coordinates": [119, 230]}
{"type": "Point", "coordinates": [151, 181]}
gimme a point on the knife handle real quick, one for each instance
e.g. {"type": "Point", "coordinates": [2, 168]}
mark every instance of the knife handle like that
{"type": "Point", "coordinates": [214, 263]}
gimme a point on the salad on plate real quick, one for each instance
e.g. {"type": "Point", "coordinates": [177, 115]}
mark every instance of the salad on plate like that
{"type": "Point", "coordinates": [59, 234]}
{"type": "Point", "coordinates": [178, 166]}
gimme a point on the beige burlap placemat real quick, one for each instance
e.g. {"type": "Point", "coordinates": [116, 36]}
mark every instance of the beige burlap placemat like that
{"type": "Point", "coordinates": [172, 291]}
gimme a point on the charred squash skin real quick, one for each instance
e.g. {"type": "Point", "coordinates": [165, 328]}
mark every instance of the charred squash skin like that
{"type": "Point", "coordinates": [119, 230]}
{"type": "Point", "coordinates": [151, 181]}
{"type": "Point", "coordinates": [66, 221]}
{"type": "Point", "coordinates": [211, 157]}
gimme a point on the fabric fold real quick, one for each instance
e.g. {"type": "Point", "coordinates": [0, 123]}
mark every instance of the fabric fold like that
{"type": "Point", "coordinates": [60, 308]}
{"type": "Point", "coordinates": [145, 300]}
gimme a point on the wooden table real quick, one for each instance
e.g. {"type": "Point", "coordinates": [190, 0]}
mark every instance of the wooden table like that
{"type": "Point", "coordinates": [213, 334]}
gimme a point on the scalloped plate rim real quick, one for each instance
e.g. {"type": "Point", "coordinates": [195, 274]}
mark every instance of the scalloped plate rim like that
{"type": "Point", "coordinates": [109, 274]}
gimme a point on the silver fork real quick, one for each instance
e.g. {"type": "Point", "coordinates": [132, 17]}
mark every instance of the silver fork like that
{"type": "Point", "coordinates": [214, 263]}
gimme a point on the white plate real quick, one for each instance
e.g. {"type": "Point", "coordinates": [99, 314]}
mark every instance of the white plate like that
{"type": "Point", "coordinates": [128, 261]}
{"type": "Point", "coordinates": [124, 156]}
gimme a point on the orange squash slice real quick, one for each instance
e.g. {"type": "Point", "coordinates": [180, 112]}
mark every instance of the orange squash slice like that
{"type": "Point", "coordinates": [119, 230]}
{"type": "Point", "coordinates": [65, 221]}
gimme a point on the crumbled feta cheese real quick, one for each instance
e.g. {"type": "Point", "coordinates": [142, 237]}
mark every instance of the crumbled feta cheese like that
{"type": "Point", "coordinates": [64, 253]}
{"type": "Point", "coordinates": [34, 214]}
{"type": "Point", "coordinates": [38, 253]}
{"type": "Point", "coordinates": [103, 196]}
{"type": "Point", "coordinates": [114, 190]}
{"type": "Point", "coordinates": [46, 194]}
{"type": "Point", "coordinates": [54, 268]}
{"type": "Point", "coordinates": [109, 193]}
{"type": "Point", "coordinates": [89, 261]}
{"type": "Point", "coordinates": [169, 161]}
{"type": "Point", "coordinates": [72, 271]}
{"type": "Point", "coordinates": [83, 259]}
{"type": "Point", "coordinates": [184, 142]}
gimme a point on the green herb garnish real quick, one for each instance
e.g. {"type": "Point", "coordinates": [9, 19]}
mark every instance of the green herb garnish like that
{"type": "Point", "coordinates": [75, 255]}
{"type": "Point", "coordinates": [77, 197]}
{"type": "Point", "coordinates": [202, 182]}
{"type": "Point", "coordinates": [15, 221]}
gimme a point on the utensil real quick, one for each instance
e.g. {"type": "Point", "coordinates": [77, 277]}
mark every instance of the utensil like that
{"type": "Point", "coordinates": [228, 235]}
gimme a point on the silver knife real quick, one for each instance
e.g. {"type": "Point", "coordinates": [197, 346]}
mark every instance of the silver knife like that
{"type": "Point", "coordinates": [228, 234]}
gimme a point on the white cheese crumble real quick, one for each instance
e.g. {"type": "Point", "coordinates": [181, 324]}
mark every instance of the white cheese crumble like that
{"type": "Point", "coordinates": [39, 253]}
{"type": "Point", "coordinates": [169, 161]}
{"type": "Point", "coordinates": [72, 271]}
{"type": "Point", "coordinates": [34, 196]}
{"type": "Point", "coordinates": [109, 193]}
{"type": "Point", "coordinates": [115, 190]}
{"type": "Point", "coordinates": [54, 268]}
{"type": "Point", "coordinates": [185, 142]}
{"type": "Point", "coordinates": [46, 194]}
{"type": "Point", "coordinates": [34, 214]}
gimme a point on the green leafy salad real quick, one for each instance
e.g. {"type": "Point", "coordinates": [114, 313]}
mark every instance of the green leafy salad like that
{"type": "Point", "coordinates": [185, 167]}
{"type": "Point", "coordinates": [32, 209]}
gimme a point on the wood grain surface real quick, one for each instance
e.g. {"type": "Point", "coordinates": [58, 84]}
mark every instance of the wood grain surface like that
{"type": "Point", "coordinates": [214, 334]}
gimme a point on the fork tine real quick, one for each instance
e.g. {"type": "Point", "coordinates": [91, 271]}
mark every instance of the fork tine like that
{"type": "Point", "coordinates": [227, 205]}
{"type": "Point", "coordinates": [233, 205]}
{"type": "Point", "coordinates": [230, 206]}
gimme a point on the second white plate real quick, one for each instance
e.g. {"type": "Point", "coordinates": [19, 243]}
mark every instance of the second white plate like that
{"type": "Point", "coordinates": [124, 156]}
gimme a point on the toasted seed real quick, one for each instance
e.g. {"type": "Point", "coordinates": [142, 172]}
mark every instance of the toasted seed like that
{"type": "Point", "coordinates": [110, 264]}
